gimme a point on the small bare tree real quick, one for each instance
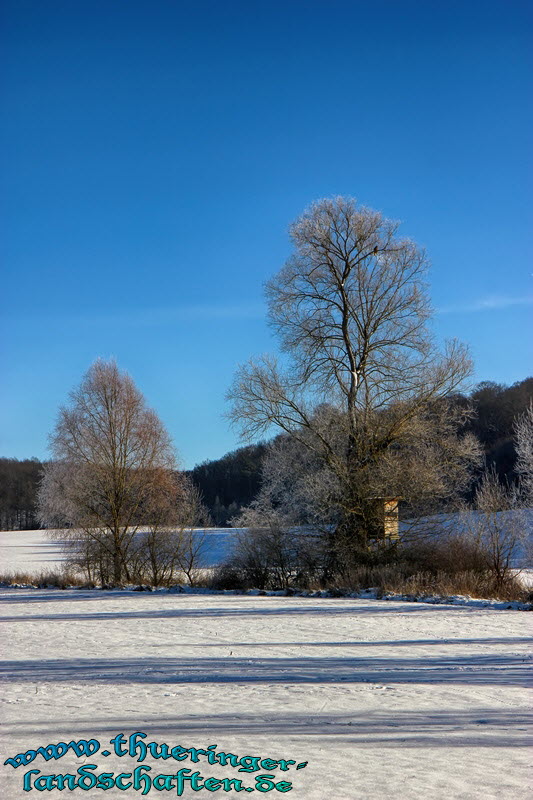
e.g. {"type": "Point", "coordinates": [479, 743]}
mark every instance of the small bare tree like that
{"type": "Point", "coordinates": [270, 551]}
{"type": "Point", "coordinates": [191, 535]}
{"type": "Point", "coordinates": [171, 542]}
{"type": "Point", "coordinates": [154, 550]}
{"type": "Point", "coordinates": [112, 468]}
{"type": "Point", "coordinates": [362, 386]}
{"type": "Point", "coordinates": [495, 524]}
{"type": "Point", "coordinates": [524, 452]}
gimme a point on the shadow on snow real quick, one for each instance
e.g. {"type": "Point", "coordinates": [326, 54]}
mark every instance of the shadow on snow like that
{"type": "Point", "coordinates": [432, 728]}
{"type": "Point", "coordinates": [478, 669]}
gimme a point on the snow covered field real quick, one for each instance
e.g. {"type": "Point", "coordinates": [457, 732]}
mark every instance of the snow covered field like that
{"type": "Point", "coordinates": [29, 551]}
{"type": "Point", "coordinates": [36, 551]}
{"type": "Point", "coordinates": [384, 700]}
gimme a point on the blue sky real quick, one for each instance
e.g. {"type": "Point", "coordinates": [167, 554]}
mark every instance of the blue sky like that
{"type": "Point", "coordinates": [154, 153]}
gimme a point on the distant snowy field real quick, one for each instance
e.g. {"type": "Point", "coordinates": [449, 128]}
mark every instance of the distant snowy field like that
{"type": "Point", "coordinates": [36, 551]}
{"type": "Point", "coordinates": [384, 700]}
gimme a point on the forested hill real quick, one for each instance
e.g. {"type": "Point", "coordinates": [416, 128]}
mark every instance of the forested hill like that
{"type": "Point", "coordinates": [231, 482]}
{"type": "Point", "coordinates": [497, 407]}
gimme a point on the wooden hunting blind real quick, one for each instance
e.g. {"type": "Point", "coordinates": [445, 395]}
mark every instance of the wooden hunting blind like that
{"type": "Point", "coordinates": [385, 517]}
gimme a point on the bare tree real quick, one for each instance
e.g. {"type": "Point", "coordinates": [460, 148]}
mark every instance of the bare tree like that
{"type": "Point", "coordinates": [270, 551]}
{"type": "Point", "coordinates": [495, 524]}
{"type": "Point", "coordinates": [524, 452]}
{"type": "Point", "coordinates": [496, 521]}
{"type": "Point", "coordinates": [155, 547]}
{"type": "Point", "coordinates": [192, 540]}
{"type": "Point", "coordinates": [362, 385]}
{"type": "Point", "coordinates": [112, 468]}
{"type": "Point", "coordinates": [171, 542]}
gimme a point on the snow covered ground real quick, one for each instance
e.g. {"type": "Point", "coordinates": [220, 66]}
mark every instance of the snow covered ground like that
{"type": "Point", "coordinates": [384, 700]}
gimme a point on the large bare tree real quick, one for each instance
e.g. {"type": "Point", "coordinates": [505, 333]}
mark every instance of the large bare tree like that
{"type": "Point", "coordinates": [361, 383]}
{"type": "Point", "coordinates": [113, 467]}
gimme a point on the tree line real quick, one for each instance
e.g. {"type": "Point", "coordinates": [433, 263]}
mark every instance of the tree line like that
{"type": "Point", "coordinates": [18, 493]}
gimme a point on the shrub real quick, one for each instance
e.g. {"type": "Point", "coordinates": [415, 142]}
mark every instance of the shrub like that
{"type": "Point", "coordinates": [228, 577]}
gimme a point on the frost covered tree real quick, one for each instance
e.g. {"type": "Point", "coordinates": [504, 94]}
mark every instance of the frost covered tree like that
{"type": "Point", "coordinates": [496, 525]}
{"type": "Point", "coordinates": [361, 384]}
{"type": "Point", "coordinates": [524, 454]}
{"type": "Point", "coordinates": [113, 470]}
